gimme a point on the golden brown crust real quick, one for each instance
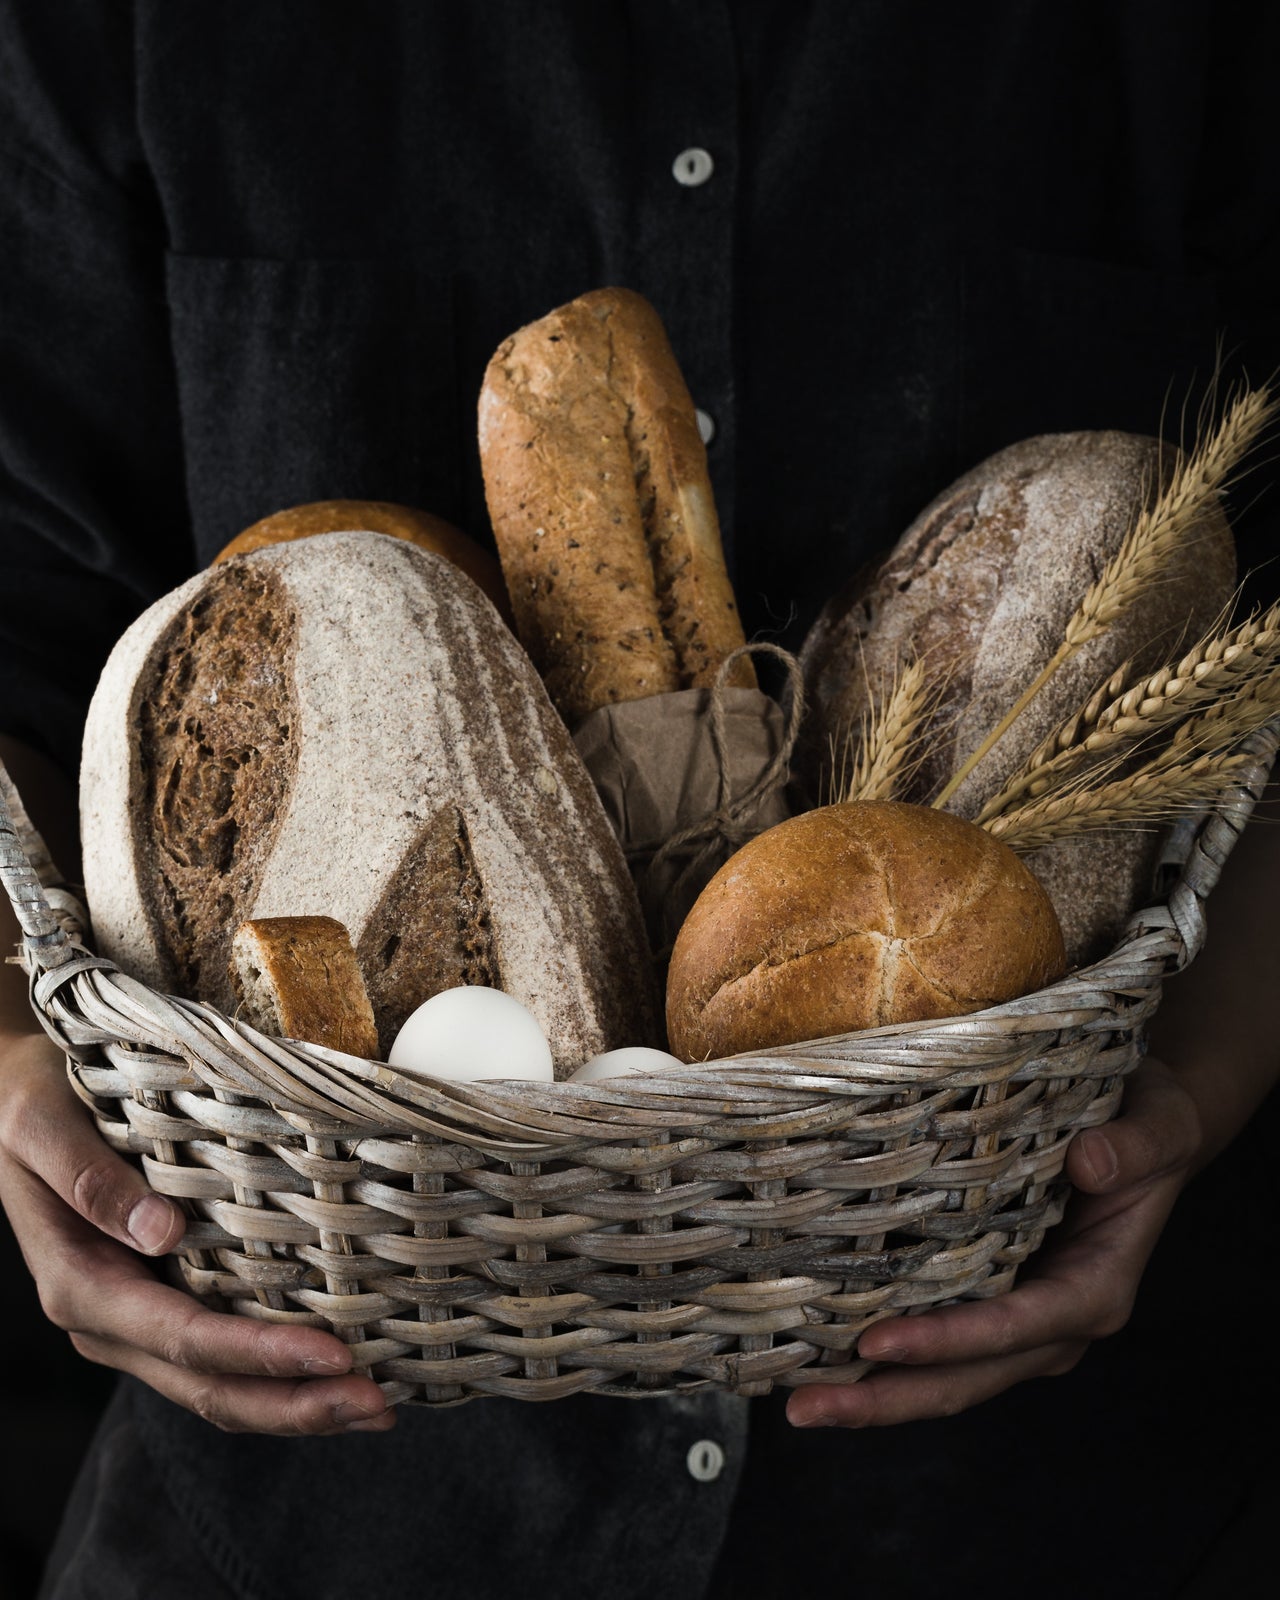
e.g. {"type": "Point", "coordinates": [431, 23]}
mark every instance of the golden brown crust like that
{"type": "Point", "coordinates": [298, 977]}
{"type": "Point", "coordinates": [852, 917]}
{"type": "Point", "coordinates": [597, 486]}
{"type": "Point", "coordinates": [377, 516]}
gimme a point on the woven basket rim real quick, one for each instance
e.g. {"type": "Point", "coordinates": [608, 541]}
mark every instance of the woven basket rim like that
{"type": "Point", "coordinates": [304, 1080]}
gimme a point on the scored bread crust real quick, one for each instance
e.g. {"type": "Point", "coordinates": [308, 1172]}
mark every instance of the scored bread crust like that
{"type": "Point", "coordinates": [597, 486]}
{"type": "Point", "coordinates": [412, 702]}
{"type": "Point", "coordinates": [297, 977]}
{"type": "Point", "coordinates": [851, 917]}
{"type": "Point", "coordinates": [981, 588]}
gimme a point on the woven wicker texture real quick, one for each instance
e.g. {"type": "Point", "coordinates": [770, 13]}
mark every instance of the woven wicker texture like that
{"type": "Point", "coordinates": [737, 1223]}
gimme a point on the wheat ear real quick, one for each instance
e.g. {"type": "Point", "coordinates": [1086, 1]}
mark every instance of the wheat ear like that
{"type": "Point", "coordinates": [889, 738]}
{"type": "Point", "coordinates": [1147, 797]}
{"type": "Point", "coordinates": [833, 776]}
{"type": "Point", "coordinates": [1223, 723]}
{"type": "Point", "coordinates": [1159, 529]}
{"type": "Point", "coordinates": [1121, 713]}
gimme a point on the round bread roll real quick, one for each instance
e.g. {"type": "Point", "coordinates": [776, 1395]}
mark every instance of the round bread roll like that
{"type": "Point", "coordinates": [856, 916]}
{"type": "Point", "coordinates": [377, 516]}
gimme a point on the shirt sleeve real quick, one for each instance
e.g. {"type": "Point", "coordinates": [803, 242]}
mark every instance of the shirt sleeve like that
{"type": "Point", "coordinates": [93, 515]}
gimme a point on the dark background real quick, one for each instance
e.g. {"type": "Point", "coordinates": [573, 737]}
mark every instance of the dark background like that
{"type": "Point", "coordinates": [1087, 195]}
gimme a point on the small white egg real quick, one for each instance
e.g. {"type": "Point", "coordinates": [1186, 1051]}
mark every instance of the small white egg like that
{"type": "Point", "coordinates": [472, 1033]}
{"type": "Point", "coordinates": [631, 1058]}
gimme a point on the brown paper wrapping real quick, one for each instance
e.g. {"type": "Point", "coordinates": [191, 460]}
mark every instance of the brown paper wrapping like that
{"type": "Point", "coordinates": [656, 767]}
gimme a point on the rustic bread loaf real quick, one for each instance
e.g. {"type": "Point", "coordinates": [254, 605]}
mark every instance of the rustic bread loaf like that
{"type": "Point", "coordinates": [597, 485]}
{"type": "Point", "coordinates": [376, 516]}
{"type": "Point", "coordinates": [981, 586]}
{"type": "Point", "coordinates": [297, 978]}
{"type": "Point", "coordinates": [856, 916]}
{"type": "Point", "coordinates": [341, 726]}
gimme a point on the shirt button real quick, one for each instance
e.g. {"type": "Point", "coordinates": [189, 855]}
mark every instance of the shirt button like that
{"type": "Point", "coordinates": [693, 166]}
{"type": "Point", "coordinates": [705, 1460]}
{"type": "Point", "coordinates": [706, 425]}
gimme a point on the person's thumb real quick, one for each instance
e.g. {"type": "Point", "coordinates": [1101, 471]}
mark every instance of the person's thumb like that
{"type": "Point", "coordinates": [1156, 1134]}
{"type": "Point", "coordinates": [46, 1130]}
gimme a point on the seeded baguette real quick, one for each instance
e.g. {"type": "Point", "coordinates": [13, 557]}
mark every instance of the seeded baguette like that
{"type": "Point", "coordinates": [342, 726]}
{"type": "Point", "coordinates": [297, 978]}
{"type": "Point", "coordinates": [597, 485]}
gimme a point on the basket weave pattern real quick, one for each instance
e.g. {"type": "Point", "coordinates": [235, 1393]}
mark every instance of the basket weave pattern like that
{"type": "Point", "coordinates": [736, 1223]}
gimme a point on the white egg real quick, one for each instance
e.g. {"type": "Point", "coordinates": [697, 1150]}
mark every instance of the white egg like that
{"type": "Point", "coordinates": [471, 1033]}
{"type": "Point", "coordinates": [616, 1063]}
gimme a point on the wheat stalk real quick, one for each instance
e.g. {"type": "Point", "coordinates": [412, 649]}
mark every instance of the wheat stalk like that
{"type": "Point", "coordinates": [1222, 724]}
{"type": "Point", "coordinates": [889, 740]}
{"type": "Point", "coordinates": [1236, 668]}
{"type": "Point", "coordinates": [1154, 794]}
{"type": "Point", "coordinates": [833, 777]}
{"type": "Point", "coordinates": [1159, 530]}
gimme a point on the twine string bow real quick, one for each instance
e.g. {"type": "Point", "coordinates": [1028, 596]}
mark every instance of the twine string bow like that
{"type": "Point", "coordinates": [732, 822]}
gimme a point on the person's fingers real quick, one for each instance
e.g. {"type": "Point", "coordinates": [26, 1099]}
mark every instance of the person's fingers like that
{"type": "Point", "coordinates": [1080, 1287]}
{"type": "Point", "coordinates": [1082, 1284]}
{"type": "Point", "coordinates": [236, 1403]}
{"type": "Point", "coordinates": [92, 1287]}
{"type": "Point", "coordinates": [45, 1129]}
{"type": "Point", "coordinates": [75, 1205]}
{"type": "Point", "coordinates": [895, 1395]}
{"type": "Point", "coordinates": [1038, 1313]}
{"type": "Point", "coordinates": [1158, 1132]}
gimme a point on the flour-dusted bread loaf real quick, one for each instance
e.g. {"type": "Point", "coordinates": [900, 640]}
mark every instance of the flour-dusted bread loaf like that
{"type": "Point", "coordinates": [298, 978]}
{"type": "Point", "coordinates": [981, 586]}
{"type": "Point", "coordinates": [342, 726]}
{"type": "Point", "coordinates": [376, 516]}
{"type": "Point", "coordinates": [596, 480]}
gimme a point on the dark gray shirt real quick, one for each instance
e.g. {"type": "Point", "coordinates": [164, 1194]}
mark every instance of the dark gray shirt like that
{"type": "Point", "coordinates": [257, 255]}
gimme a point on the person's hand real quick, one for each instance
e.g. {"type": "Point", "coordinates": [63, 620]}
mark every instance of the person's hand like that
{"type": "Point", "coordinates": [85, 1220]}
{"type": "Point", "coordinates": [1079, 1287]}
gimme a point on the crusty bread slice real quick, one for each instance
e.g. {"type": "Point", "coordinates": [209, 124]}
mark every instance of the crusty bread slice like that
{"type": "Point", "coordinates": [297, 978]}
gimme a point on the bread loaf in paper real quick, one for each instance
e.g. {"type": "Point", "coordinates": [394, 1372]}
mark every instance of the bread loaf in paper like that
{"type": "Point", "coordinates": [342, 726]}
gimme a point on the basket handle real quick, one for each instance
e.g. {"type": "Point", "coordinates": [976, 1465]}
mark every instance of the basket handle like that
{"type": "Point", "coordinates": [48, 914]}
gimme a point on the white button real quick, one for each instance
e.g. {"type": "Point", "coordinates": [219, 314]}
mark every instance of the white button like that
{"type": "Point", "coordinates": [706, 425]}
{"type": "Point", "coordinates": [705, 1460]}
{"type": "Point", "coordinates": [693, 166]}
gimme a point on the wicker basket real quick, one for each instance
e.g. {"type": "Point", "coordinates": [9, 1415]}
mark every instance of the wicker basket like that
{"type": "Point", "coordinates": [734, 1224]}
